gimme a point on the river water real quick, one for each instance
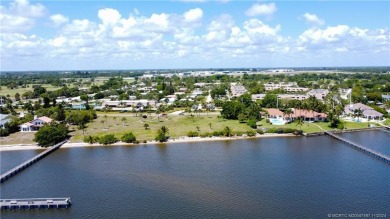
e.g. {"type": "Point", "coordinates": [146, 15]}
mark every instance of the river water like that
{"type": "Point", "coordinates": [290, 177]}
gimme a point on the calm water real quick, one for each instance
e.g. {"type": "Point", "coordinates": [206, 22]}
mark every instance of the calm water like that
{"type": "Point", "coordinates": [270, 177]}
{"type": "Point", "coordinates": [376, 139]}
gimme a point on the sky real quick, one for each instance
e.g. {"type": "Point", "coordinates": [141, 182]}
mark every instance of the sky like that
{"type": "Point", "coordinates": [125, 34]}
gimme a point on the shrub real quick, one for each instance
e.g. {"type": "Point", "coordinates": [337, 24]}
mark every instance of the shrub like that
{"type": "Point", "coordinates": [128, 137]}
{"type": "Point", "coordinates": [218, 133]}
{"type": "Point", "coordinates": [192, 134]}
{"type": "Point", "coordinates": [250, 133]}
{"type": "Point", "coordinates": [206, 135]}
{"type": "Point", "coordinates": [340, 125]}
{"type": "Point", "coordinates": [252, 123]}
{"type": "Point", "coordinates": [107, 139]}
{"type": "Point", "coordinates": [91, 139]}
{"type": "Point", "coordinates": [298, 132]}
{"type": "Point", "coordinates": [289, 130]}
{"type": "Point", "coordinates": [261, 132]}
{"type": "Point", "coordinates": [4, 132]}
{"type": "Point", "coordinates": [272, 130]}
{"type": "Point", "coordinates": [267, 121]}
{"type": "Point", "coordinates": [238, 133]}
{"type": "Point", "coordinates": [145, 141]}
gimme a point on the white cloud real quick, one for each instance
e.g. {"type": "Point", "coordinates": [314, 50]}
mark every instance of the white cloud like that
{"type": "Point", "coordinates": [193, 15]}
{"type": "Point", "coordinates": [109, 16]}
{"type": "Point", "coordinates": [25, 9]}
{"type": "Point", "coordinates": [58, 19]}
{"type": "Point", "coordinates": [261, 9]}
{"type": "Point", "coordinates": [343, 38]}
{"type": "Point", "coordinates": [162, 38]}
{"type": "Point", "coordinates": [160, 20]}
{"type": "Point", "coordinates": [313, 19]}
{"type": "Point", "coordinates": [20, 16]}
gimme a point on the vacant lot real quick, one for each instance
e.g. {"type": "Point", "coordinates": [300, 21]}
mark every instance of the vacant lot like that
{"type": "Point", "coordinates": [18, 138]}
{"type": "Point", "coordinates": [177, 125]}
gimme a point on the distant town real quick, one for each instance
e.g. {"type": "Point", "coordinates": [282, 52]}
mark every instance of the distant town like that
{"type": "Point", "coordinates": [161, 105]}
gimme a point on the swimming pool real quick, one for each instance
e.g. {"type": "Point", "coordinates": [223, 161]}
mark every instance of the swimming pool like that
{"type": "Point", "coordinates": [277, 121]}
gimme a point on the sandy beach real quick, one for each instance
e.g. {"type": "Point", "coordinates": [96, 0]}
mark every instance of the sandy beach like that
{"type": "Point", "coordinates": [184, 139]}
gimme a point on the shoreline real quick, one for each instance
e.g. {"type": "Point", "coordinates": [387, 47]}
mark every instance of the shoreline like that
{"type": "Point", "coordinates": [170, 141]}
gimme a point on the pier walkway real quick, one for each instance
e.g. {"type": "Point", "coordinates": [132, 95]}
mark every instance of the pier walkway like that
{"type": "Point", "coordinates": [29, 162]}
{"type": "Point", "coordinates": [31, 203]}
{"type": "Point", "coordinates": [362, 148]}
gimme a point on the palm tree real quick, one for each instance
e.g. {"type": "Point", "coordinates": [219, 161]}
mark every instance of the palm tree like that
{"type": "Point", "coordinates": [161, 134]}
{"type": "Point", "coordinates": [124, 121]}
{"type": "Point", "coordinates": [300, 122]}
{"type": "Point", "coordinates": [102, 122]}
{"type": "Point", "coordinates": [210, 124]}
{"type": "Point", "coordinates": [227, 131]}
{"type": "Point", "coordinates": [198, 128]}
{"type": "Point", "coordinates": [289, 112]}
{"type": "Point", "coordinates": [105, 117]}
{"type": "Point", "coordinates": [82, 126]}
{"type": "Point", "coordinates": [357, 113]}
{"type": "Point", "coordinates": [115, 120]}
{"type": "Point", "coordinates": [146, 126]}
{"type": "Point", "coordinates": [164, 130]}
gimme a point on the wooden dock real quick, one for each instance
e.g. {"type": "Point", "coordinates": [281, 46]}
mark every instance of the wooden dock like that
{"type": "Point", "coordinates": [362, 148]}
{"type": "Point", "coordinates": [33, 203]}
{"type": "Point", "coordinates": [29, 162]}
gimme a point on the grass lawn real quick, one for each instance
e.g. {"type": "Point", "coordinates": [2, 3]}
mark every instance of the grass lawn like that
{"type": "Point", "coordinates": [18, 138]}
{"type": "Point", "coordinates": [306, 127]}
{"type": "Point", "coordinates": [387, 122]}
{"type": "Point", "coordinates": [177, 125]}
{"type": "Point", "coordinates": [12, 92]}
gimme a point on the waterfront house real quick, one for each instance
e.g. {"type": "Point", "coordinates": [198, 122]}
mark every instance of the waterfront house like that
{"type": "Point", "coordinates": [366, 111]}
{"type": "Point", "coordinates": [307, 115]}
{"type": "Point", "coordinates": [35, 124]}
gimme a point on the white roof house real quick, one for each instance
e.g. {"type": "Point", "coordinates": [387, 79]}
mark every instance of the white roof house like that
{"type": "Point", "coordinates": [35, 124]}
{"type": "Point", "coordinates": [368, 112]}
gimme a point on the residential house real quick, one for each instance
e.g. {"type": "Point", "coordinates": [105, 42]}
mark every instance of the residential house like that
{"type": "Point", "coordinates": [320, 94]}
{"type": "Point", "coordinates": [366, 111]}
{"type": "Point", "coordinates": [307, 115]}
{"type": "Point", "coordinates": [35, 124]}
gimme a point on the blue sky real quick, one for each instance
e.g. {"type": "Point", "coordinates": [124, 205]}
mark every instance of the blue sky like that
{"type": "Point", "coordinates": [70, 35]}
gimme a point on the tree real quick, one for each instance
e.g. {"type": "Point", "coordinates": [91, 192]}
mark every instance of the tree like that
{"type": "Point", "coordinates": [85, 98]}
{"type": "Point", "coordinates": [162, 134]}
{"type": "Point", "coordinates": [210, 125]}
{"type": "Point", "coordinates": [128, 137]}
{"type": "Point", "coordinates": [227, 131]}
{"type": "Point", "coordinates": [51, 134]}
{"type": "Point", "coordinates": [300, 122]}
{"type": "Point", "coordinates": [46, 100]}
{"type": "Point", "coordinates": [107, 139]}
{"type": "Point", "coordinates": [60, 113]}
{"type": "Point", "coordinates": [17, 97]}
{"type": "Point", "coordinates": [124, 121]}
{"type": "Point", "coordinates": [115, 120]}
{"type": "Point", "coordinates": [231, 109]}
{"type": "Point", "coordinates": [82, 126]}
{"type": "Point", "coordinates": [357, 113]}
{"type": "Point", "coordinates": [105, 118]}
{"type": "Point", "coordinates": [269, 101]}
{"type": "Point", "coordinates": [146, 126]}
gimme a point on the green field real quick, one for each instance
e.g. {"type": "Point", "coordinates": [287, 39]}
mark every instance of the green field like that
{"type": "Point", "coordinates": [6, 91]}
{"type": "Point", "coordinates": [177, 125]}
